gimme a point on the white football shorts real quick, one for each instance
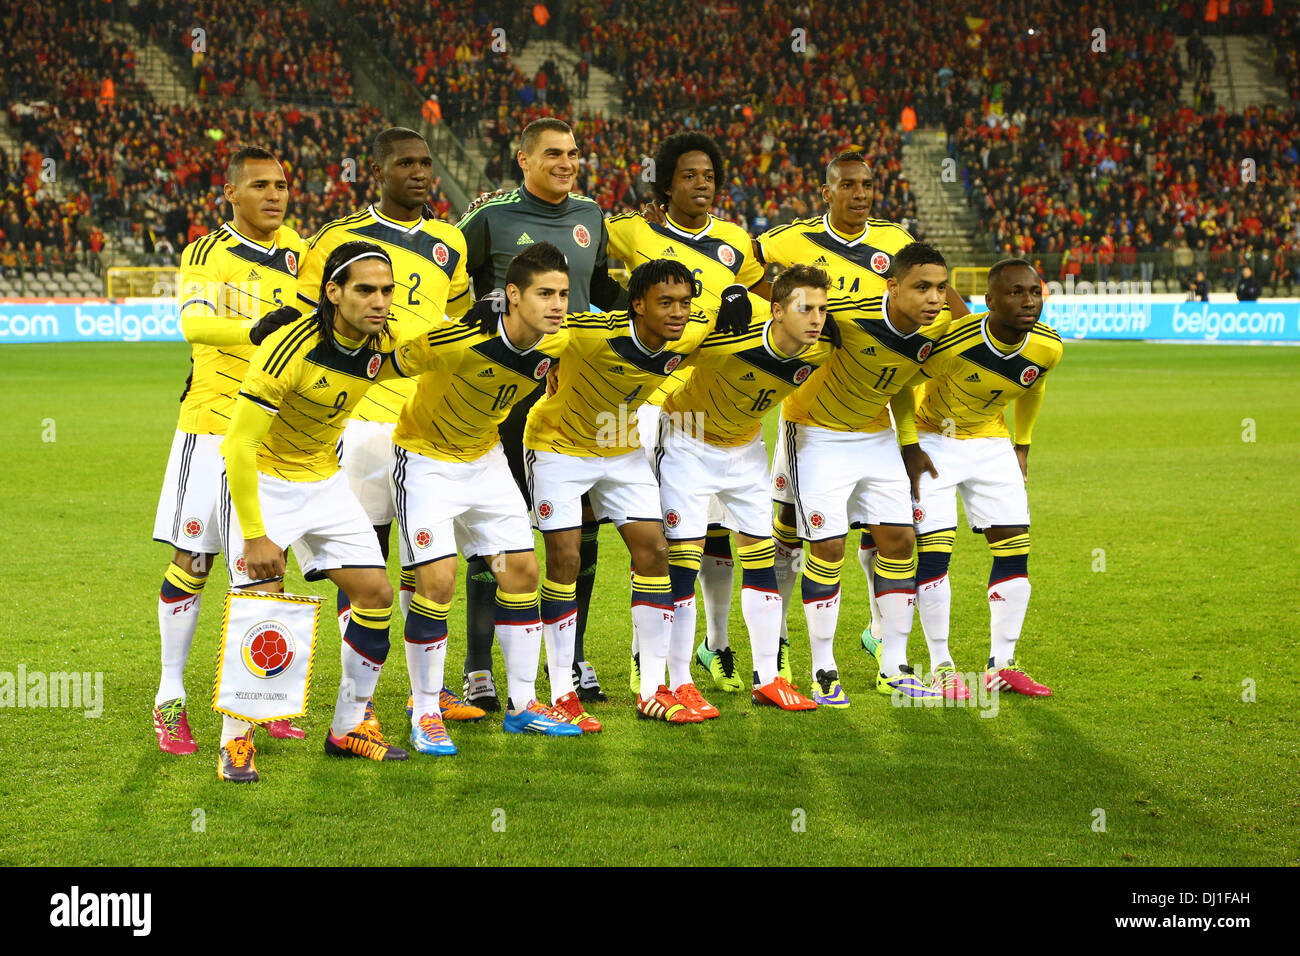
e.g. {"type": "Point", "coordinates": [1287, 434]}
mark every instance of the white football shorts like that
{"type": "Point", "coordinates": [843, 479]}
{"type": "Point", "coordinates": [621, 488]}
{"type": "Point", "coordinates": [189, 507]}
{"type": "Point", "coordinates": [321, 520]}
{"type": "Point", "coordinates": [441, 504]}
{"type": "Point", "coordinates": [984, 471]}
{"type": "Point", "coordinates": [366, 456]}
{"type": "Point", "coordinates": [701, 484]}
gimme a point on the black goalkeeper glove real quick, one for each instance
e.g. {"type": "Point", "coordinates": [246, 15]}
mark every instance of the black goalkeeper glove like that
{"type": "Point", "coordinates": [831, 332]}
{"type": "Point", "coordinates": [735, 312]}
{"type": "Point", "coordinates": [486, 312]}
{"type": "Point", "coordinates": [272, 321]}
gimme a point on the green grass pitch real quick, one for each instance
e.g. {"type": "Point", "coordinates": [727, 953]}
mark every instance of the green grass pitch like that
{"type": "Point", "coordinates": [1141, 466]}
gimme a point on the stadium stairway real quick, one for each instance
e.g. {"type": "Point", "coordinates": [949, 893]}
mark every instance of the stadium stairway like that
{"type": "Point", "coordinates": [157, 71]}
{"type": "Point", "coordinates": [1250, 74]}
{"type": "Point", "coordinates": [941, 206]}
{"type": "Point", "coordinates": [1243, 74]}
{"type": "Point", "coordinates": [602, 88]}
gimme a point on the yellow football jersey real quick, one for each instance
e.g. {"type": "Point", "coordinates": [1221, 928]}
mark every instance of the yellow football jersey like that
{"type": "Point", "coordinates": [719, 254]}
{"type": "Point", "coordinates": [311, 387]}
{"type": "Point", "coordinates": [605, 375]}
{"type": "Point", "coordinates": [736, 379]}
{"type": "Point", "coordinates": [971, 381]}
{"type": "Point", "coordinates": [851, 391]}
{"type": "Point", "coordinates": [857, 265]}
{"type": "Point", "coordinates": [428, 270]}
{"type": "Point", "coordinates": [227, 275]}
{"type": "Point", "coordinates": [465, 384]}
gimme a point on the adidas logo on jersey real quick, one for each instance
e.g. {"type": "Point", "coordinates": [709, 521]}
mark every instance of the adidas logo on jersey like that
{"type": "Point", "coordinates": [973, 377]}
{"type": "Point", "coordinates": [524, 240]}
{"type": "Point", "coordinates": [747, 377]}
{"type": "Point", "coordinates": [670, 251]}
{"type": "Point", "coordinates": [252, 276]}
{"type": "Point", "coordinates": [820, 261]}
{"type": "Point", "coordinates": [486, 373]}
{"type": "Point", "coordinates": [617, 370]}
{"type": "Point", "coordinates": [322, 382]}
{"type": "Point", "coordinates": [869, 350]}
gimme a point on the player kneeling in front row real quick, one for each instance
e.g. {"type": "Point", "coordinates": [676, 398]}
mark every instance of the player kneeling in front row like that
{"type": "Point", "coordinates": [710, 444]}
{"type": "Point", "coordinates": [983, 364]}
{"type": "Point", "coordinates": [451, 482]}
{"type": "Point", "coordinates": [284, 486]}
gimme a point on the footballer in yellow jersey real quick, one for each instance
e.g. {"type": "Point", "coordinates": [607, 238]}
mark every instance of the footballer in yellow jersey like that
{"type": "Point", "coordinates": [689, 169]}
{"type": "Point", "coordinates": [710, 448]}
{"type": "Point", "coordinates": [983, 364]}
{"type": "Point", "coordinates": [852, 474]}
{"type": "Point", "coordinates": [234, 282]}
{"type": "Point", "coordinates": [428, 258]}
{"type": "Point", "coordinates": [228, 282]}
{"type": "Point", "coordinates": [429, 270]}
{"type": "Point", "coordinates": [719, 254]}
{"type": "Point", "coordinates": [453, 486]}
{"type": "Point", "coordinates": [857, 252]}
{"type": "Point", "coordinates": [606, 373]}
{"type": "Point", "coordinates": [583, 440]}
{"type": "Point", "coordinates": [284, 486]}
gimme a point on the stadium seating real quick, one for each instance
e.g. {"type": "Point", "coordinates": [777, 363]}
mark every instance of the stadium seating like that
{"type": "Point", "coordinates": [1094, 166]}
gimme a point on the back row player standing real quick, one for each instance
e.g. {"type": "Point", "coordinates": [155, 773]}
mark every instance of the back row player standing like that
{"type": "Point", "coordinates": [542, 209]}
{"type": "Point", "coordinates": [428, 257]}
{"type": "Point", "coordinates": [235, 285]}
{"type": "Point", "coordinates": [857, 251]}
{"type": "Point", "coordinates": [688, 168]}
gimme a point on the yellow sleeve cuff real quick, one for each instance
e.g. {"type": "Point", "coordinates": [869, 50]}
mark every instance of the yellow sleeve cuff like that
{"type": "Point", "coordinates": [213, 330]}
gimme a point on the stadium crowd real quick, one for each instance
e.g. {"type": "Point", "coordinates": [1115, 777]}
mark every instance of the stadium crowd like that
{"type": "Point", "coordinates": [1117, 199]}
{"type": "Point", "coordinates": [1091, 165]}
{"type": "Point", "coordinates": [250, 51]}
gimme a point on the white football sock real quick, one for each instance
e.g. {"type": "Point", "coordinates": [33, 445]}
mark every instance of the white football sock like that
{"type": "Point", "coordinates": [822, 615]}
{"type": "Point", "coordinates": [425, 664]}
{"type": "Point", "coordinates": [360, 675]}
{"type": "Point", "coordinates": [865, 558]}
{"type": "Point", "coordinates": [653, 634]}
{"type": "Point", "coordinates": [763, 617]}
{"type": "Point", "coordinates": [1006, 617]}
{"type": "Point", "coordinates": [716, 578]}
{"type": "Point", "coordinates": [681, 644]}
{"type": "Point", "coordinates": [933, 604]}
{"type": "Point", "coordinates": [177, 621]}
{"type": "Point", "coordinates": [232, 727]}
{"type": "Point", "coordinates": [784, 566]}
{"type": "Point", "coordinates": [895, 626]}
{"type": "Point", "coordinates": [521, 646]}
{"type": "Point", "coordinates": [561, 637]}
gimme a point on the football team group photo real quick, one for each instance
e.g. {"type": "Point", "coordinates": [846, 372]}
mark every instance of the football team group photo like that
{"type": "Point", "coordinates": [604, 428]}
